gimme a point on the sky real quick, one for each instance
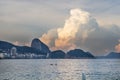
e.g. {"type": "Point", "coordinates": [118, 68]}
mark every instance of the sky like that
{"type": "Point", "coordinates": [91, 25]}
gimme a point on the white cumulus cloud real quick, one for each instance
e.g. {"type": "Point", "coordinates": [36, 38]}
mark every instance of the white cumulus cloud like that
{"type": "Point", "coordinates": [81, 30]}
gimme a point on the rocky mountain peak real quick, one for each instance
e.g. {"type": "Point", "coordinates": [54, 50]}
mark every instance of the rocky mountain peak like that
{"type": "Point", "coordinates": [36, 43]}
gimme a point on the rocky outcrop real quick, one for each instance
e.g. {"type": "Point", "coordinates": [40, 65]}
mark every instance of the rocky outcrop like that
{"type": "Point", "coordinates": [37, 44]}
{"type": "Point", "coordinates": [58, 54]}
{"type": "Point", "coordinates": [6, 47]}
{"type": "Point", "coordinates": [78, 53]}
{"type": "Point", "coordinates": [113, 55]}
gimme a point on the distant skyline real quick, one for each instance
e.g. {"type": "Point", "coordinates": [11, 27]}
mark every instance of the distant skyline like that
{"type": "Point", "coordinates": [63, 24]}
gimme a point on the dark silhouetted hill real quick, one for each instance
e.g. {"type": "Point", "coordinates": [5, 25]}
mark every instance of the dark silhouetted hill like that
{"type": "Point", "coordinates": [58, 54]}
{"type": "Point", "coordinates": [6, 47]}
{"type": "Point", "coordinates": [78, 53]}
{"type": "Point", "coordinates": [37, 44]}
{"type": "Point", "coordinates": [113, 55]}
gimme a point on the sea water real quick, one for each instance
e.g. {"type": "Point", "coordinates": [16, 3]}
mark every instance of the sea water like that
{"type": "Point", "coordinates": [59, 69]}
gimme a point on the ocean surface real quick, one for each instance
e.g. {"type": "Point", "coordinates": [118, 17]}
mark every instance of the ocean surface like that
{"type": "Point", "coordinates": [60, 69]}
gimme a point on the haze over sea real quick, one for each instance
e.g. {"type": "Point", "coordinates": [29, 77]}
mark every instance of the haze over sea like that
{"type": "Point", "coordinates": [59, 69]}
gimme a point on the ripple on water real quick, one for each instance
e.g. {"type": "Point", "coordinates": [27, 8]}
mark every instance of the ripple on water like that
{"type": "Point", "coordinates": [59, 69]}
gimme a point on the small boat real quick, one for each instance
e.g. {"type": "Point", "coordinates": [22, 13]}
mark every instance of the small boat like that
{"type": "Point", "coordinates": [83, 76]}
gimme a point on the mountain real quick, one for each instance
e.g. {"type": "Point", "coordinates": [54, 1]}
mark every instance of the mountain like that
{"type": "Point", "coordinates": [39, 48]}
{"type": "Point", "coordinates": [78, 53]}
{"type": "Point", "coordinates": [26, 49]}
{"type": "Point", "coordinates": [113, 55]}
{"type": "Point", "coordinates": [58, 54]}
{"type": "Point", "coordinates": [6, 47]}
{"type": "Point", "coordinates": [37, 44]}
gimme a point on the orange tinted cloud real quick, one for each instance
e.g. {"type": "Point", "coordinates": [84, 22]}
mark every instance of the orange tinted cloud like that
{"type": "Point", "coordinates": [20, 43]}
{"type": "Point", "coordinates": [117, 48]}
{"type": "Point", "coordinates": [66, 35]}
{"type": "Point", "coordinates": [81, 30]}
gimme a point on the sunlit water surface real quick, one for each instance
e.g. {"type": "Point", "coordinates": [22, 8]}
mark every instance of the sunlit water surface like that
{"type": "Point", "coordinates": [66, 69]}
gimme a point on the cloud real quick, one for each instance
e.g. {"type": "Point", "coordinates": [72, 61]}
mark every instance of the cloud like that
{"type": "Point", "coordinates": [81, 30]}
{"type": "Point", "coordinates": [24, 20]}
{"type": "Point", "coordinates": [18, 43]}
{"type": "Point", "coordinates": [67, 34]}
{"type": "Point", "coordinates": [33, 18]}
{"type": "Point", "coordinates": [117, 47]}
{"type": "Point", "coordinates": [102, 40]}
{"type": "Point", "coordinates": [49, 37]}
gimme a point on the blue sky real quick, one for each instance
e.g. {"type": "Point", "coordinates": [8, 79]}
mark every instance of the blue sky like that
{"type": "Point", "coordinates": [23, 20]}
